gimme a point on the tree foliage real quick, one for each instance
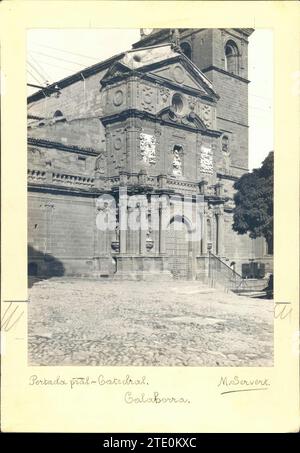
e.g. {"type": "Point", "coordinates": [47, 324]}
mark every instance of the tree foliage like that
{"type": "Point", "coordinates": [253, 212]}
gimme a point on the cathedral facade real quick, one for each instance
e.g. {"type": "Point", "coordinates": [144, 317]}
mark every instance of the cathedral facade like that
{"type": "Point", "coordinates": [132, 161]}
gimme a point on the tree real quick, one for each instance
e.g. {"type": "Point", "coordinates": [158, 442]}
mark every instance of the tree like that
{"type": "Point", "coordinates": [253, 212]}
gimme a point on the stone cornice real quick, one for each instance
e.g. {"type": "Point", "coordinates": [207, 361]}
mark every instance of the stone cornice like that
{"type": "Point", "coordinates": [245, 31]}
{"type": "Point", "coordinates": [222, 71]}
{"type": "Point", "coordinates": [69, 148]}
{"type": "Point", "coordinates": [134, 113]}
{"type": "Point", "coordinates": [230, 177]}
{"type": "Point", "coordinates": [55, 189]}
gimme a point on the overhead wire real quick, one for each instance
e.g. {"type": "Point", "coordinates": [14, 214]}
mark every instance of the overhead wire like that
{"type": "Point", "coordinates": [67, 51]}
{"type": "Point", "coordinates": [37, 72]}
{"type": "Point", "coordinates": [57, 58]}
{"type": "Point", "coordinates": [41, 69]}
{"type": "Point", "coordinates": [35, 78]}
{"type": "Point", "coordinates": [57, 66]}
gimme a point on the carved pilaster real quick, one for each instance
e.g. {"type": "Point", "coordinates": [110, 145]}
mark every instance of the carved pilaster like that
{"type": "Point", "coordinates": [123, 222]}
{"type": "Point", "coordinates": [143, 205]}
{"type": "Point", "coordinates": [162, 228]}
{"type": "Point", "coordinates": [220, 230]}
{"type": "Point", "coordinates": [204, 234]}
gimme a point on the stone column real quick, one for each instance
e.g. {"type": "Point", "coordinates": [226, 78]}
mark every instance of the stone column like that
{"type": "Point", "coordinates": [162, 229]}
{"type": "Point", "coordinates": [204, 235]}
{"type": "Point", "coordinates": [220, 217]}
{"type": "Point", "coordinates": [123, 224]}
{"type": "Point", "coordinates": [143, 225]}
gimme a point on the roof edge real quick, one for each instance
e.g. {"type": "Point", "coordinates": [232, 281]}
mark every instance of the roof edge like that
{"type": "Point", "coordinates": [80, 75]}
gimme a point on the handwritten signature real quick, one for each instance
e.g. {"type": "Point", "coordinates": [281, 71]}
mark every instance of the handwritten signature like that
{"type": "Point", "coordinates": [11, 316]}
{"type": "Point", "coordinates": [282, 310]}
{"type": "Point", "coordinates": [237, 384]}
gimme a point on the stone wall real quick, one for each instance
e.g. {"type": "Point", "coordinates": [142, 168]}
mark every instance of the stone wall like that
{"type": "Point", "coordinates": [86, 133]}
{"type": "Point", "coordinates": [61, 231]}
{"type": "Point", "coordinates": [78, 100]}
{"type": "Point", "coordinates": [232, 116]}
{"type": "Point", "coordinates": [60, 161]}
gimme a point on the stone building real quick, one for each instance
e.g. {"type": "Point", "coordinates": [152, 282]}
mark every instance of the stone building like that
{"type": "Point", "coordinates": [147, 133]}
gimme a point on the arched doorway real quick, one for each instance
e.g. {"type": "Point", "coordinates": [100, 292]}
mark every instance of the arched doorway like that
{"type": "Point", "coordinates": [179, 248]}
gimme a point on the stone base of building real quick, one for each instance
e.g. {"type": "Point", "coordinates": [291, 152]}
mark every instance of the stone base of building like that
{"type": "Point", "coordinates": [144, 276]}
{"type": "Point", "coordinates": [139, 267]}
{"type": "Point", "coordinates": [148, 267]}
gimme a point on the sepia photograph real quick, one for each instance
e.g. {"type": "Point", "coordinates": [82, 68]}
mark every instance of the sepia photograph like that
{"type": "Point", "coordinates": [150, 197]}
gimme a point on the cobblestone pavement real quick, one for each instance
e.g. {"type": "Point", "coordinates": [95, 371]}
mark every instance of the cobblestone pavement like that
{"type": "Point", "coordinates": [85, 322]}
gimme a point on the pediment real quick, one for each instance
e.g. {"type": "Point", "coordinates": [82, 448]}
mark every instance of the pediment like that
{"type": "Point", "coordinates": [178, 74]}
{"type": "Point", "coordinates": [182, 72]}
{"type": "Point", "coordinates": [164, 65]}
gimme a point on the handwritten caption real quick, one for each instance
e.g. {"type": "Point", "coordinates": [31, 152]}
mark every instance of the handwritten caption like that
{"type": "Point", "coordinates": [129, 397]}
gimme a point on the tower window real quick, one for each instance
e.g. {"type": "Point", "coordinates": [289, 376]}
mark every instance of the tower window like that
{"type": "Point", "coordinates": [231, 58]}
{"type": "Point", "coordinates": [186, 49]}
{"type": "Point", "coordinates": [177, 103]}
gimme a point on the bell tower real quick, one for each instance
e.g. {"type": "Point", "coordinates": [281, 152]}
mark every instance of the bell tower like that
{"type": "Point", "coordinates": [222, 55]}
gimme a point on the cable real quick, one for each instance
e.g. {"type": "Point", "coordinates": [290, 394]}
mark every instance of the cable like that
{"type": "Point", "coordinates": [61, 59]}
{"type": "Point", "coordinates": [58, 66]}
{"type": "Point", "coordinates": [46, 75]}
{"type": "Point", "coordinates": [66, 51]}
{"type": "Point", "coordinates": [38, 81]}
{"type": "Point", "coordinates": [40, 75]}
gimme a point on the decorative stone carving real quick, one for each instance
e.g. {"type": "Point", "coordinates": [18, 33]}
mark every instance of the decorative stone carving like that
{"type": "Point", "coordinates": [105, 213]}
{"type": "Point", "coordinates": [35, 152]}
{"type": "Point", "coordinates": [118, 98]}
{"type": "Point", "coordinates": [118, 143]}
{"type": "Point", "coordinates": [178, 74]}
{"type": "Point", "coordinates": [219, 210]}
{"type": "Point", "coordinates": [177, 162]}
{"type": "Point", "coordinates": [118, 153]}
{"type": "Point", "coordinates": [206, 159]}
{"type": "Point", "coordinates": [149, 240]}
{"type": "Point", "coordinates": [175, 37]}
{"type": "Point", "coordinates": [100, 164]}
{"type": "Point", "coordinates": [192, 103]}
{"type": "Point", "coordinates": [147, 98]}
{"type": "Point", "coordinates": [35, 155]}
{"type": "Point", "coordinates": [164, 93]}
{"type": "Point", "coordinates": [148, 148]}
{"type": "Point", "coordinates": [206, 115]}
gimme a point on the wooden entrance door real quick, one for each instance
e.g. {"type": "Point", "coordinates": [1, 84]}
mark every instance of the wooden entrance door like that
{"type": "Point", "coordinates": [177, 249]}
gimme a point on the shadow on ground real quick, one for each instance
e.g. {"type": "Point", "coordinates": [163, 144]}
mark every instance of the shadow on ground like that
{"type": "Point", "coordinates": [42, 266]}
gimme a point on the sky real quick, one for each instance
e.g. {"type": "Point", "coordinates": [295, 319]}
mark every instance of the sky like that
{"type": "Point", "coordinates": [53, 54]}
